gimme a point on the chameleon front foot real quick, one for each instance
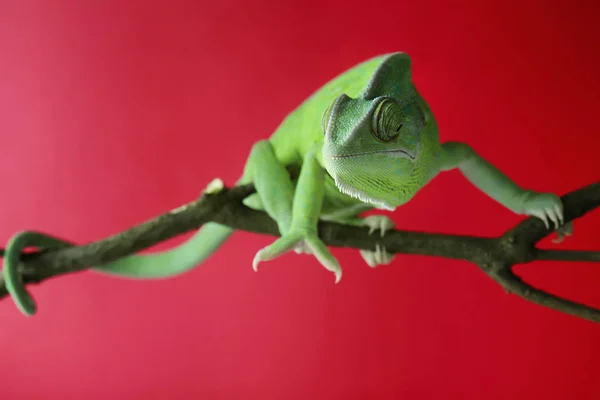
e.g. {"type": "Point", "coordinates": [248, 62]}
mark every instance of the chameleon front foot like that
{"type": "Point", "coordinates": [380, 256]}
{"type": "Point", "coordinates": [549, 208]}
{"type": "Point", "coordinates": [299, 240]}
{"type": "Point", "coordinates": [545, 206]}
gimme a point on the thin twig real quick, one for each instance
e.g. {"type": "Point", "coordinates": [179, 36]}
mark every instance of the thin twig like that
{"type": "Point", "coordinates": [495, 256]}
{"type": "Point", "coordinates": [569, 255]}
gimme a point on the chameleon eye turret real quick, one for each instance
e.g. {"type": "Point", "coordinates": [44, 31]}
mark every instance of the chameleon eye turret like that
{"type": "Point", "coordinates": [387, 121]}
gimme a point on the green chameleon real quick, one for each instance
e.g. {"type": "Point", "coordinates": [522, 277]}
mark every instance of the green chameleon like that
{"type": "Point", "coordinates": [364, 140]}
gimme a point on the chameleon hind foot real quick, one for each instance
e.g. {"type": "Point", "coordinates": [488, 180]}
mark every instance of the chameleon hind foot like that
{"type": "Point", "coordinates": [380, 256]}
{"type": "Point", "coordinates": [299, 239]}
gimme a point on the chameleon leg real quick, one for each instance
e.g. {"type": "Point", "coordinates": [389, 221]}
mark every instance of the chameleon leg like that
{"type": "Point", "coordinates": [500, 187]}
{"type": "Point", "coordinates": [304, 211]}
{"type": "Point", "coordinates": [274, 188]}
{"type": "Point", "coordinates": [12, 279]}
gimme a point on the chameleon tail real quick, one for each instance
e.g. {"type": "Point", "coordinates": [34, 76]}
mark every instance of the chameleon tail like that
{"type": "Point", "coordinates": [170, 262]}
{"type": "Point", "coordinates": [179, 259]}
{"type": "Point", "coordinates": [12, 256]}
{"type": "Point", "coordinates": [151, 266]}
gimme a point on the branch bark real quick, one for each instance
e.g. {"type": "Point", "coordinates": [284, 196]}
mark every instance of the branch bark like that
{"type": "Point", "coordinates": [494, 256]}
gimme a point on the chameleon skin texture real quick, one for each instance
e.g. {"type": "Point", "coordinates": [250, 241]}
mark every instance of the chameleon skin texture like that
{"type": "Point", "coordinates": [364, 140]}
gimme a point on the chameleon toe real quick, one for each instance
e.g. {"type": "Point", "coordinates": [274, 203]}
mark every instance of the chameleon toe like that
{"type": "Point", "coordinates": [380, 256]}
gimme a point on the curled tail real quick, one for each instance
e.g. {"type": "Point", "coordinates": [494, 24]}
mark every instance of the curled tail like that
{"type": "Point", "coordinates": [147, 266]}
{"type": "Point", "coordinates": [12, 258]}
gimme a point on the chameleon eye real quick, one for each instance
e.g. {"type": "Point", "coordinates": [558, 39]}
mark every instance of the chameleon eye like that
{"type": "Point", "coordinates": [326, 117]}
{"type": "Point", "coordinates": [387, 121]}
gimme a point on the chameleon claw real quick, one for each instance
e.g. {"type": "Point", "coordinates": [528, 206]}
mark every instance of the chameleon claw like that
{"type": "Point", "coordinates": [380, 256]}
{"type": "Point", "coordinates": [558, 210]}
{"type": "Point", "coordinates": [324, 256]}
{"type": "Point", "coordinates": [338, 277]}
{"type": "Point", "coordinates": [275, 249]}
{"type": "Point", "coordinates": [257, 259]}
{"type": "Point", "coordinates": [554, 219]}
{"type": "Point", "coordinates": [544, 218]}
{"type": "Point", "coordinates": [548, 206]}
{"type": "Point", "coordinates": [307, 242]}
{"type": "Point", "coordinates": [545, 206]}
{"type": "Point", "coordinates": [381, 222]}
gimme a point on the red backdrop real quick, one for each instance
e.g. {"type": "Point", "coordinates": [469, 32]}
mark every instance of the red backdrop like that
{"type": "Point", "coordinates": [113, 112]}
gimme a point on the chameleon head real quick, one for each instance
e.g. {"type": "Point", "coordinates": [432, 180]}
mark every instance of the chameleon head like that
{"type": "Point", "coordinates": [372, 148]}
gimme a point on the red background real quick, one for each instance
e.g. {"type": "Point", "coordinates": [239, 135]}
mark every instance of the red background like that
{"type": "Point", "coordinates": [113, 112]}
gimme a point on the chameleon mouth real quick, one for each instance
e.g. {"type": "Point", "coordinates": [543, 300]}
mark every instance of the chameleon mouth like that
{"type": "Point", "coordinates": [394, 153]}
{"type": "Point", "coordinates": [353, 191]}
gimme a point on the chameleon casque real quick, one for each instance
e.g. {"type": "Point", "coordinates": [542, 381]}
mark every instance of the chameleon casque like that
{"type": "Point", "coordinates": [364, 140]}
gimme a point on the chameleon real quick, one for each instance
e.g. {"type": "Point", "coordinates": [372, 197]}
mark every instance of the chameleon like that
{"type": "Point", "coordinates": [365, 140]}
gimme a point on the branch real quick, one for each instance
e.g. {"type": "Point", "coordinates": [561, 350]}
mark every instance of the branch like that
{"type": "Point", "coordinates": [569, 255]}
{"type": "Point", "coordinates": [495, 256]}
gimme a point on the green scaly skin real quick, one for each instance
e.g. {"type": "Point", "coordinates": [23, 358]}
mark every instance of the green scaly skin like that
{"type": "Point", "coordinates": [364, 140]}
